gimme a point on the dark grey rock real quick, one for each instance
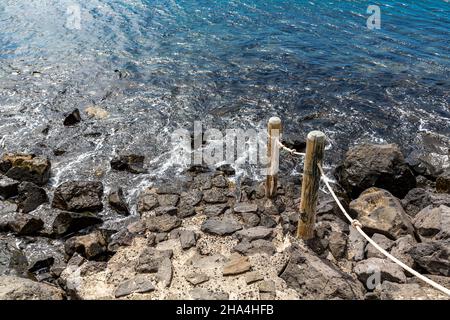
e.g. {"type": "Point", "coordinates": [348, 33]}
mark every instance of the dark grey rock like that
{"type": "Point", "coordinates": [72, 118]}
{"type": "Point", "coordinates": [381, 166]}
{"type": "Point", "coordinates": [132, 163]}
{"type": "Point", "coordinates": [138, 284]}
{"type": "Point", "coordinates": [117, 201]}
{"type": "Point", "coordinates": [432, 221]}
{"type": "Point", "coordinates": [215, 210]}
{"type": "Point", "coordinates": [246, 207]}
{"type": "Point", "coordinates": [267, 221]}
{"type": "Point", "coordinates": [164, 223]}
{"type": "Point", "coordinates": [67, 222]}
{"type": "Point", "coordinates": [227, 169]}
{"type": "Point", "coordinates": [202, 181]}
{"type": "Point", "coordinates": [187, 239]}
{"type": "Point", "coordinates": [30, 197]}
{"type": "Point", "coordinates": [165, 272]}
{"type": "Point", "coordinates": [196, 278]}
{"type": "Point", "coordinates": [250, 219]}
{"type": "Point", "coordinates": [150, 260]}
{"type": "Point", "coordinates": [255, 247]}
{"type": "Point", "coordinates": [433, 256]}
{"type": "Point", "coordinates": [220, 182]}
{"type": "Point", "coordinates": [166, 211]}
{"type": "Point", "coordinates": [79, 196]}
{"type": "Point", "coordinates": [220, 227]}
{"type": "Point", "coordinates": [26, 225]}
{"type": "Point", "coordinates": [147, 201]}
{"type": "Point", "coordinates": [387, 270]}
{"type": "Point", "coordinates": [215, 195]}
{"type": "Point", "coordinates": [168, 200]}
{"type": "Point", "coordinates": [443, 182]}
{"type": "Point", "coordinates": [255, 233]}
{"type": "Point", "coordinates": [337, 244]}
{"type": "Point", "coordinates": [316, 278]}
{"type": "Point", "coordinates": [8, 188]}
{"type": "Point", "coordinates": [382, 241]}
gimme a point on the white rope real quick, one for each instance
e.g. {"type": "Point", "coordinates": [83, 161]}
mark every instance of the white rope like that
{"type": "Point", "coordinates": [291, 151]}
{"type": "Point", "coordinates": [358, 226]}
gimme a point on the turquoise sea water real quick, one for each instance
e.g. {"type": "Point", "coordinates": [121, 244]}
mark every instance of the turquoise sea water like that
{"type": "Point", "coordinates": [160, 65]}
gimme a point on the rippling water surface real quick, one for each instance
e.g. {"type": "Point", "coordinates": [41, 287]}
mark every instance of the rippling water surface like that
{"type": "Point", "coordinates": [160, 65]}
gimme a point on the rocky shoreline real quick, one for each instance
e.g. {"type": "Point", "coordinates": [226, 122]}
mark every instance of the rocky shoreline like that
{"type": "Point", "coordinates": [203, 236]}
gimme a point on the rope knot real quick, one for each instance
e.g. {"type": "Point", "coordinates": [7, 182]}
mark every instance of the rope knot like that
{"type": "Point", "coordinates": [356, 223]}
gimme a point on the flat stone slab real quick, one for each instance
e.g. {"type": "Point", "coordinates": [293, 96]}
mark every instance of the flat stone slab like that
{"type": "Point", "coordinates": [237, 265]}
{"type": "Point", "coordinates": [221, 227]}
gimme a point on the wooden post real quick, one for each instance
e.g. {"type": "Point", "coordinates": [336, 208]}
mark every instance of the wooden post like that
{"type": "Point", "coordinates": [315, 146]}
{"type": "Point", "coordinates": [273, 153]}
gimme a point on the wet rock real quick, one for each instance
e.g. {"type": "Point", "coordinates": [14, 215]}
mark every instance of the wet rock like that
{"type": "Point", "coordinates": [90, 246]}
{"type": "Point", "coordinates": [433, 256]}
{"type": "Point", "coordinates": [168, 200]}
{"type": "Point", "coordinates": [316, 278]}
{"type": "Point", "coordinates": [147, 201]}
{"type": "Point", "coordinates": [138, 284]}
{"type": "Point", "coordinates": [381, 166]}
{"type": "Point", "coordinates": [164, 223]}
{"type": "Point", "coordinates": [220, 227]}
{"type": "Point", "coordinates": [196, 278]}
{"type": "Point", "coordinates": [150, 260]}
{"type": "Point", "coordinates": [255, 233]}
{"type": "Point", "coordinates": [117, 201]}
{"type": "Point", "coordinates": [166, 211]}
{"type": "Point", "coordinates": [25, 167]}
{"type": "Point", "coordinates": [72, 118]}
{"type": "Point", "coordinates": [443, 182]}
{"type": "Point", "coordinates": [8, 188]}
{"type": "Point", "coordinates": [165, 272]}
{"type": "Point", "coordinates": [30, 197]}
{"type": "Point", "coordinates": [431, 156]}
{"type": "Point", "coordinates": [387, 270]}
{"type": "Point", "coordinates": [187, 239]}
{"type": "Point", "coordinates": [382, 241]}
{"type": "Point", "coordinates": [246, 207]}
{"type": "Point", "coordinates": [220, 182]}
{"type": "Point", "coordinates": [67, 222]}
{"type": "Point", "coordinates": [79, 196]}
{"type": "Point", "coordinates": [431, 221]}
{"type": "Point", "coordinates": [337, 244]}
{"type": "Point", "coordinates": [15, 288]}
{"type": "Point", "coordinates": [236, 265]}
{"type": "Point", "coordinates": [26, 225]}
{"type": "Point", "coordinates": [44, 254]}
{"type": "Point", "coordinates": [227, 170]}
{"type": "Point", "coordinates": [380, 212]}
{"type": "Point", "coordinates": [215, 195]}
{"type": "Point", "coordinates": [255, 247]}
{"type": "Point", "coordinates": [132, 163]}
{"type": "Point", "coordinates": [204, 294]}
{"type": "Point", "coordinates": [252, 277]}
{"type": "Point", "coordinates": [215, 210]}
{"type": "Point", "coordinates": [12, 259]}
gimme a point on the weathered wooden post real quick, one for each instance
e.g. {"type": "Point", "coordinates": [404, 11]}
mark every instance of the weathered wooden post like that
{"type": "Point", "coordinates": [273, 153]}
{"type": "Point", "coordinates": [315, 146]}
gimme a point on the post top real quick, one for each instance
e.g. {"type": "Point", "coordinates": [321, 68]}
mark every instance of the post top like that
{"type": "Point", "coordinates": [316, 135]}
{"type": "Point", "coordinates": [275, 120]}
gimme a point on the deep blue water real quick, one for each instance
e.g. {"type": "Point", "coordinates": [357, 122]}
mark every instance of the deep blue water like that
{"type": "Point", "coordinates": [160, 65]}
